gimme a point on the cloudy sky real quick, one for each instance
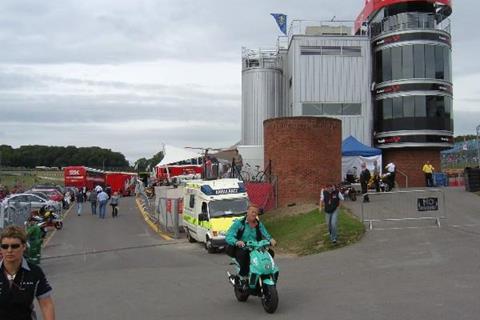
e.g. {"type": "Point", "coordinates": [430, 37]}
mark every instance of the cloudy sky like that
{"type": "Point", "coordinates": [131, 74]}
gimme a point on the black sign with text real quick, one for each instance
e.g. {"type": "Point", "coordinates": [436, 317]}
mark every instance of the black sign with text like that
{"type": "Point", "coordinates": [427, 204]}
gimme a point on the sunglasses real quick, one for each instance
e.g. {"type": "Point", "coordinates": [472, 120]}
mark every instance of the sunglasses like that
{"type": "Point", "coordinates": [14, 246]}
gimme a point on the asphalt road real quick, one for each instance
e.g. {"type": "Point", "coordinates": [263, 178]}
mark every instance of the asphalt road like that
{"type": "Point", "coordinates": [119, 269]}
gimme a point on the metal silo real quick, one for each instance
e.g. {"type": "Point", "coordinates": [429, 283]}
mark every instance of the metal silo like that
{"type": "Point", "coordinates": [261, 92]}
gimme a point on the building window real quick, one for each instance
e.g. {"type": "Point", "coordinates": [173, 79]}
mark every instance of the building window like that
{"type": "Point", "coordinates": [348, 51]}
{"type": "Point", "coordinates": [386, 65]}
{"type": "Point", "coordinates": [409, 107]}
{"type": "Point", "coordinates": [407, 62]}
{"type": "Point", "coordinates": [420, 107]}
{"type": "Point", "coordinates": [439, 62]}
{"type": "Point", "coordinates": [332, 109]}
{"type": "Point", "coordinates": [429, 62]}
{"type": "Point", "coordinates": [419, 60]}
{"type": "Point", "coordinates": [413, 61]}
{"type": "Point", "coordinates": [415, 107]}
{"type": "Point", "coordinates": [397, 63]}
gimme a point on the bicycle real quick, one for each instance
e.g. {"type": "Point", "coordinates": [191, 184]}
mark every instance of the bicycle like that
{"type": "Point", "coordinates": [256, 174]}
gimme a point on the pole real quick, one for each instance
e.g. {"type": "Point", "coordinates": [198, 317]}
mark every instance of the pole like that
{"type": "Point", "coordinates": [478, 145]}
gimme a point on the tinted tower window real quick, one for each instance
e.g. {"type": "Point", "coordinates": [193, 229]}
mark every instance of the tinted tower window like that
{"type": "Point", "coordinates": [419, 58]}
{"type": "Point", "coordinates": [386, 65]}
{"type": "Point", "coordinates": [430, 62]}
{"type": "Point", "coordinates": [439, 62]}
{"type": "Point", "coordinates": [397, 63]}
{"type": "Point", "coordinates": [407, 56]}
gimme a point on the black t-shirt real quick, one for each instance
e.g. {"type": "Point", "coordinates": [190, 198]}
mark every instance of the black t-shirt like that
{"type": "Point", "coordinates": [16, 299]}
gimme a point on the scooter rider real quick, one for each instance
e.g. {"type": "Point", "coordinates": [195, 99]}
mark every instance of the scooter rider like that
{"type": "Point", "coordinates": [243, 230]}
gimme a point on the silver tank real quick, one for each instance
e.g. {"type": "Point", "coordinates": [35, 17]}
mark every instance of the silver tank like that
{"type": "Point", "coordinates": [261, 92]}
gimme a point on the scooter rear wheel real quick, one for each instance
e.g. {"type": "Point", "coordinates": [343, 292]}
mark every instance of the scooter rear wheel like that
{"type": "Point", "coordinates": [269, 298]}
{"type": "Point", "coordinates": [58, 225]}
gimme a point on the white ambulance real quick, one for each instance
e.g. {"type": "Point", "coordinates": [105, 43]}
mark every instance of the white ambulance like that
{"type": "Point", "coordinates": [209, 209]}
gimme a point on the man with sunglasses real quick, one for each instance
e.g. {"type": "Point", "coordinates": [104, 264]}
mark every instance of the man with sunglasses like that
{"type": "Point", "coordinates": [20, 281]}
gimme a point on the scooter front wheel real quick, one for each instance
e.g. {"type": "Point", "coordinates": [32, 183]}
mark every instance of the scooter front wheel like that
{"type": "Point", "coordinates": [240, 294]}
{"type": "Point", "coordinates": [269, 298]}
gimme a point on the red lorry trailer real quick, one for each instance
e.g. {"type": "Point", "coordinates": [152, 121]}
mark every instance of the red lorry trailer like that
{"type": "Point", "coordinates": [167, 172]}
{"type": "Point", "coordinates": [121, 182]}
{"type": "Point", "coordinates": [80, 176]}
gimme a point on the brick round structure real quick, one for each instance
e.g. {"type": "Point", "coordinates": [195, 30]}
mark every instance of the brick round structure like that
{"type": "Point", "coordinates": [305, 154]}
{"type": "Point", "coordinates": [410, 162]}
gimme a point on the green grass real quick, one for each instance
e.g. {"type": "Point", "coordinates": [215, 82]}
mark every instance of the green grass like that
{"type": "Point", "coordinates": [27, 179]}
{"type": "Point", "coordinates": [307, 233]}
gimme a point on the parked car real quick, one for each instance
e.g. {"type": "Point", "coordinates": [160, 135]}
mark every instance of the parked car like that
{"type": "Point", "coordinates": [50, 186]}
{"type": "Point", "coordinates": [35, 201]}
{"type": "Point", "coordinates": [53, 194]}
{"type": "Point", "coordinates": [38, 193]}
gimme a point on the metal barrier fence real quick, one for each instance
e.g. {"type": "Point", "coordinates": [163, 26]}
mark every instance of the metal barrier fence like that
{"type": "Point", "coordinates": [407, 205]}
{"type": "Point", "coordinates": [14, 213]}
{"type": "Point", "coordinates": [168, 213]}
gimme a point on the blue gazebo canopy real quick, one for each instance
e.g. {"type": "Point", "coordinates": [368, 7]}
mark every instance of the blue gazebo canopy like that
{"type": "Point", "coordinates": [352, 147]}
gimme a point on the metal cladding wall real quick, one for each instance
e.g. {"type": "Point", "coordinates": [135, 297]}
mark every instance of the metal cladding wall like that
{"type": "Point", "coordinates": [261, 100]}
{"type": "Point", "coordinates": [305, 154]}
{"type": "Point", "coordinates": [318, 78]}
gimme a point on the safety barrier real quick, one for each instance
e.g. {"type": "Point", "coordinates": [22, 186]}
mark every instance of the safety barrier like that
{"type": "Point", "coordinates": [406, 205]}
{"type": "Point", "coordinates": [14, 213]}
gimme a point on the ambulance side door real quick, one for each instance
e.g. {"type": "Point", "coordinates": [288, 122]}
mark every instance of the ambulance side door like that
{"type": "Point", "coordinates": [202, 231]}
{"type": "Point", "coordinates": [191, 212]}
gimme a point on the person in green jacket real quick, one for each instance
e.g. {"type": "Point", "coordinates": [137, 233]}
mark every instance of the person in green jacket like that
{"type": "Point", "coordinates": [253, 230]}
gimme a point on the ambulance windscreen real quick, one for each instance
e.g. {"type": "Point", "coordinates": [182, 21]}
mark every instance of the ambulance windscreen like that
{"type": "Point", "coordinates": [227, 207]}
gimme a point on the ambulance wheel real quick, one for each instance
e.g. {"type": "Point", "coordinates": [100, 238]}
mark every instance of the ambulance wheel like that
{"type": "Point", "coordinates": [208, 245]}
{"type": "Point", "coordinates": [189, 237]}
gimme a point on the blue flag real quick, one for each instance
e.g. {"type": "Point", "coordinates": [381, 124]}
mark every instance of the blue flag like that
{"type": "Point", "coordinates": [281, 21]}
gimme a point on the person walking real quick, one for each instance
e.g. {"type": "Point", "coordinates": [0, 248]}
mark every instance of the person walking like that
{"type": "Point", "coordinates": [428, 171]}
{"type": "Point", "coordinates": [376, 176]}
{"type": "Point", "coordinates": [391, 172]}
{"type": "Point", "coordinates": [92, 198]}
{"type": "Point", "coordinates": [102, 198]}
{"type": "Point", "coordinates": [330, 201]}
{"type": "Point", "coordinates": [80, 200]}
{"type": "Point", "coordinates": [364, 179]}
{"type": "Point", "coordinates": [20, 281]}
{"type": "Point", "coordinates": [114, 203]}
{"type": "Point", "coordinates": [238, 163]}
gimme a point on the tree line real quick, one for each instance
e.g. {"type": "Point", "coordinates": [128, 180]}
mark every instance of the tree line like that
{"type": "Point", "coordinates": [54, 156]}
{"type": "Point", "coordinates": [144, 164]}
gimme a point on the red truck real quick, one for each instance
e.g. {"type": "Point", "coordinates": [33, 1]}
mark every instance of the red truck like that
{"type": "Point", "coordinates": [166, 173]}
{"type": "Point", "coordinates": [80, 176]}
{"type": "Point", "coordinates": [121, 182]}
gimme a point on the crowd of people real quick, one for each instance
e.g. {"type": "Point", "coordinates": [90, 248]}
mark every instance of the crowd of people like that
{"type": "Point", "coordinates": [99, 199]}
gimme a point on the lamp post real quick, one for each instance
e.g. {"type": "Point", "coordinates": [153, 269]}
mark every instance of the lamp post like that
{"type": "Point", "coordinates": [103, 164]}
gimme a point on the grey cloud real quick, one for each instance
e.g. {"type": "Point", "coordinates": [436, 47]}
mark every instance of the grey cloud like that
{"type": "Point", "coordinates": [465, 122]}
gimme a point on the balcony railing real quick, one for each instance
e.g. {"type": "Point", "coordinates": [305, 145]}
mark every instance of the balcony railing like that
{"type": "Point", "coordinates": [320, 28]}
{"type": "Point", "coordinates": [261, 58]}
{"type": "Point", "coordinates": [408, 21]}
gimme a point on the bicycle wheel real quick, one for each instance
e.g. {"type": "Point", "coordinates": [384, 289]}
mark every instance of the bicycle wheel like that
{"type": "Point", "coordinates": [245, 176]}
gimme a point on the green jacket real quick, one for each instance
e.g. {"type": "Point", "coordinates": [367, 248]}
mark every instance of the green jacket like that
{"type": "Point", "coordinates": [249, 233]}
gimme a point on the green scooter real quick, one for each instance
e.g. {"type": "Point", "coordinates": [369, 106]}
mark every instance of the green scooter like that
{"type": "Point", "coordinates": [262, 278]}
